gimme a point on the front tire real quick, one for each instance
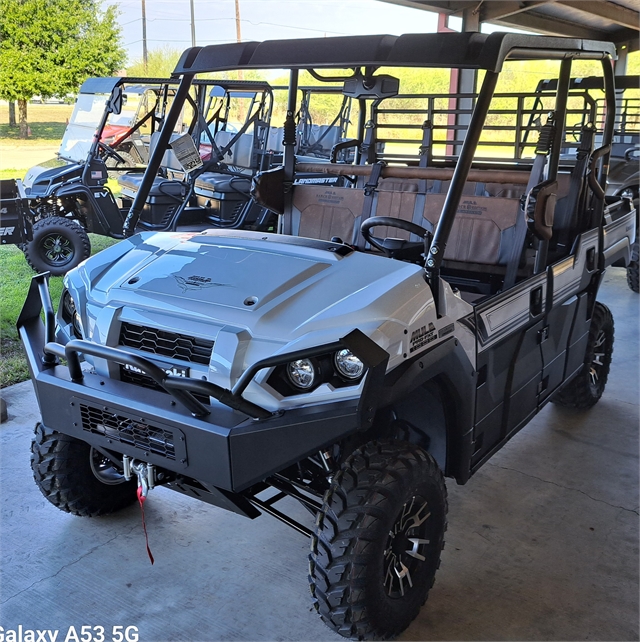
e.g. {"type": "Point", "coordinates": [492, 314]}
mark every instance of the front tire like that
{"type": "Point", "coordinates": [58, 245]}
{"type": "Point", "coordinates": [586, 388]}
{"type": "Point", "coordinates": [378, 540]}
{"type": "Point", "coordinates": [76, 478]}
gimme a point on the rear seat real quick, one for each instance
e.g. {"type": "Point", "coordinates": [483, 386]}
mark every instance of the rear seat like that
{"type": "Point", "coordinates": [240, 157]}
{"type": "Point", "coordinates": [319, 141]}
{"type": "Point", "coordinates": [130, 182]}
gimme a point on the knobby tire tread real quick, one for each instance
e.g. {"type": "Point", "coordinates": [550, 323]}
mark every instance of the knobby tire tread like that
{"type": "Point", "coordinates": [339, 556]}
{"type": "Point", "coordinates": [578, 392]}
{"type": "Point", "coordinates": [61, 470]}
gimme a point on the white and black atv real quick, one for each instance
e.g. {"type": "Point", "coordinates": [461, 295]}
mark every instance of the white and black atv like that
{"type": "Point", "coordinates": [112, 130]}
{"type": "Point", "coordinates": [110, 127]}
{"type": "Point", "coordinates": [400, 329]}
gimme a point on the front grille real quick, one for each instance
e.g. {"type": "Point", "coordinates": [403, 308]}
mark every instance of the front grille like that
{"type": "Point", "coordinates": [128, 431]}
{"type": "Point", "coordinates": [167, 344]}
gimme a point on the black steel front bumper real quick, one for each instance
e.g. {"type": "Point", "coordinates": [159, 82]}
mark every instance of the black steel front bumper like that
{"type": "Point", "coordinates": [229, 446]}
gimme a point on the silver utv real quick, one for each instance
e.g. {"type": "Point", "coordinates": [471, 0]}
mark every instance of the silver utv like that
{"type": "Point", "coordinates": [401, 328]}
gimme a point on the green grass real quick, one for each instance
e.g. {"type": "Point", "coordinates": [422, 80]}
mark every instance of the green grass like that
{"type": "Point", "coordinates": [12, 173]}
{"type": "Point", "coordinates": [47, 123]}
{"type": "Point", "coordinates": [14, 284]}
{"type": "Point", "coordinates": [39, 131]}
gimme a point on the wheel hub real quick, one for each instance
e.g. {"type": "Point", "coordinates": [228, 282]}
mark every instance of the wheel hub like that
{"type": "Point", "coordinates": [404, 552]}
{"type": "Point", "coordinates": [57, 249]}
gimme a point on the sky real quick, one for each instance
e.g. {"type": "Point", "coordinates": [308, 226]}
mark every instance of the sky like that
{"type": "Point", "coordinates": [169, 21]}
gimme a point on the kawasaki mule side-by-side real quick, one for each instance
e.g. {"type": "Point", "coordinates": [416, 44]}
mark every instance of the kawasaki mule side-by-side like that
{"type": "Point", "coordinates": [405, 324]}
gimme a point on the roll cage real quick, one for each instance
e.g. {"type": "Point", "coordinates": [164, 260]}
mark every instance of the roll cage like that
{"type": "Point", "coordinates": [361, 56]}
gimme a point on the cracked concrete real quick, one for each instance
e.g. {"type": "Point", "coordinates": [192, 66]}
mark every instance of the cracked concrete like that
{"type": "Point", "coordinates": [62, 568]}
{"type": "Point", "coordinates": [542, 542]}
{"type": "Point", "coordinates": [548, 481]}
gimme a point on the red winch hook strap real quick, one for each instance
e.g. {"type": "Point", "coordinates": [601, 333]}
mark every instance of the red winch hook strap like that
{"type": "Point", "coordinates": [141, 500]}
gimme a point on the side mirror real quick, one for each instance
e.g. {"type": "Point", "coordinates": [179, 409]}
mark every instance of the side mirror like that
{"type": "Point", "coordinates": [382, 86]}
{"type": "Point", "coordinates": [114, 106]}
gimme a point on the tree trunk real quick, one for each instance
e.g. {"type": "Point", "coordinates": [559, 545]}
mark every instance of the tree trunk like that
{"type": "Point", "coordinates": [12, 113]}
{"type": "Point", "coordinates": [22, 115]}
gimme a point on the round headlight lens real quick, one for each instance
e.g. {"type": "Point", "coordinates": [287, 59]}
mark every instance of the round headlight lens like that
{"type": "Point", "coordinates": [301, 373]}
{"type": "Point", "coordinates": [78, 330]}
{"type": "Point", "coordinates": [68, 305]}
{"type": "Point", "coordinates": [348, 365]}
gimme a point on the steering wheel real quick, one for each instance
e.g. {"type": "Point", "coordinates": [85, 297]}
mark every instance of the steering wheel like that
{"type": "Point", "coordinates": [392, 247]}
{"type": "Point", "coordinates": [109, 152]}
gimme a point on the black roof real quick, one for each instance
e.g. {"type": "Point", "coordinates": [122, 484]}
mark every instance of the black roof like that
{"type": "Point", "coordinates": [106, 85]}
{"type": "Point", "coordinates": [471, 50]}
{"type": "Point", "coordinates": [593, 82]}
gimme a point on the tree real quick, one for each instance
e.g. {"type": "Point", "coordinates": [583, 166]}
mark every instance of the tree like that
{"type": "Point", "coordinates": [160, 63]}
{"type": "Point", "coordinates": [49, 47]}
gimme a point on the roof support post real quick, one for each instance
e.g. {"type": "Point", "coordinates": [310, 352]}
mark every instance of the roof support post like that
{"type": "Point", "coordinates": [620, 69]}
{"type": "Point", "coordinates": [459, 178]}
{"type": "Point", "coordinates": [620, 64]}
{"type": "Point", "coordinates": [289, 143]}
{"type": "Point", "coordinates": [607, 135]}
{"type": "Point", "coordinates": [466, 80]}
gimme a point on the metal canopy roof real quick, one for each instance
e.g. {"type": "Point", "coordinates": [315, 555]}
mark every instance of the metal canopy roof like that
{"type": "Point", "coordinates": [617, 21]}
{"type": "Point", "coordinates": [465, 50]}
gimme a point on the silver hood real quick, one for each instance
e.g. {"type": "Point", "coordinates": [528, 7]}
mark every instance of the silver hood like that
{"type": "Point", "coordinates": [276, 287]}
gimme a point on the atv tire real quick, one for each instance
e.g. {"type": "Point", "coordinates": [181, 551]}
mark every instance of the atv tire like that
{"type": "Point", "coordinates": [127, 162]}
{"type": "Point", "coordinates": [58, 245]}
{"type": "Point", "coordinates": [66, 471]}
{"type": "Point", "coordinates": [586, 388]}
{"type": "Point", "coordinates": [377, 540]}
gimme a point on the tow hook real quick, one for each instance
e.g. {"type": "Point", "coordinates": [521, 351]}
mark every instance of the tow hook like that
{"type": "Point", "coordinates": [144, 472]}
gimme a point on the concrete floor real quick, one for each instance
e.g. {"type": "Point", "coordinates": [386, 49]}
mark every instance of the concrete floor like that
{"type": "Point", "coordinates": [542, 542]}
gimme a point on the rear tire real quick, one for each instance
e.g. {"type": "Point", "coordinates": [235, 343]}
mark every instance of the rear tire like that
{"type": "Point", "coordinates": [58, 245]}
{"type": "Point", "coordinates": [67, 471]}
{"type": "Point", "coordinates": [378, 539]}
{"type": "Point", "coordinates": [633, 278]}
{"type": "Point", "coordinates": [586, 388]}
{"type": "Point", "coordinates": [127, 162]}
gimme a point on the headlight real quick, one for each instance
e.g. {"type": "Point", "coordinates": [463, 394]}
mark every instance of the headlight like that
{"type": "Point", "coordinates": [78, 330]}
{"type": "Point", "coordinates": [301, 373]}
{"type": "Point", "coordinates": [348, 365]}
{"type": "Point", "coordinates": [68, 307]}
{"type": "Point", "coordinates": [70, 315]}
